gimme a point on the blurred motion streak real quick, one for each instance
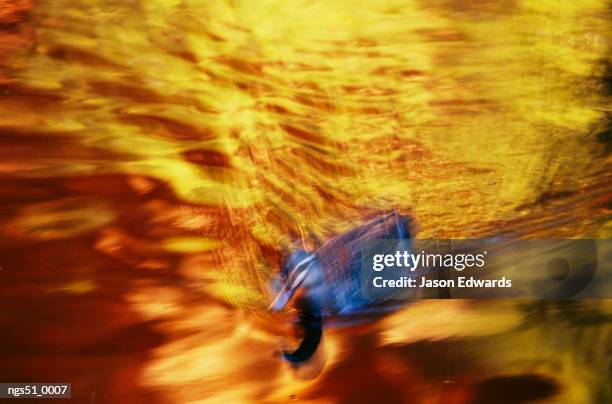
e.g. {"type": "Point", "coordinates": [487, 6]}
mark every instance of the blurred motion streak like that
{"type": "Point", "coordinates": [158, 159]}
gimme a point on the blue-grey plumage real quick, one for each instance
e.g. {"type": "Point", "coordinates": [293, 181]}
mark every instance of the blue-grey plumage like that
{"type": "Point", "coordinates": [329, 280]}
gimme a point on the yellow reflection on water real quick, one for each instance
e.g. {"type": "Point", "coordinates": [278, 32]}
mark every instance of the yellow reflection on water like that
{"type": "Point", "coordinates": [198, 140]}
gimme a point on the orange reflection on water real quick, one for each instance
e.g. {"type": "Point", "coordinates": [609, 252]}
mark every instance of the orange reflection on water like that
{"type": "Point", "coordinates": [158, 159]}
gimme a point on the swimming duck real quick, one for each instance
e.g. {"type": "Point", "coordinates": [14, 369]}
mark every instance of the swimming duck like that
{"type": "Point", "coordinates": [328, 283]}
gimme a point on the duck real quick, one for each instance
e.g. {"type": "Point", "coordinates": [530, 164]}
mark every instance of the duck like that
{"type": "Point", "coordinates": [328, 286]}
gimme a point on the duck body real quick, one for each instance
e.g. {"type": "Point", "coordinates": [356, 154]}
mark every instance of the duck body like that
{"type": "Point", "coordinates": [329, 285]}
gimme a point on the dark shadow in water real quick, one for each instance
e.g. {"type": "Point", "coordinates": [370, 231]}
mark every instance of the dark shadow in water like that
{"type": "Point", "coordinates": [514, 389]}
{"type": "Point", "coordinates": [440, 370]}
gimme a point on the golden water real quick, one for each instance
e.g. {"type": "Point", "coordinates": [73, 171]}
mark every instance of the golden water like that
{"type": "Point", "coordinates": [158, 157]}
